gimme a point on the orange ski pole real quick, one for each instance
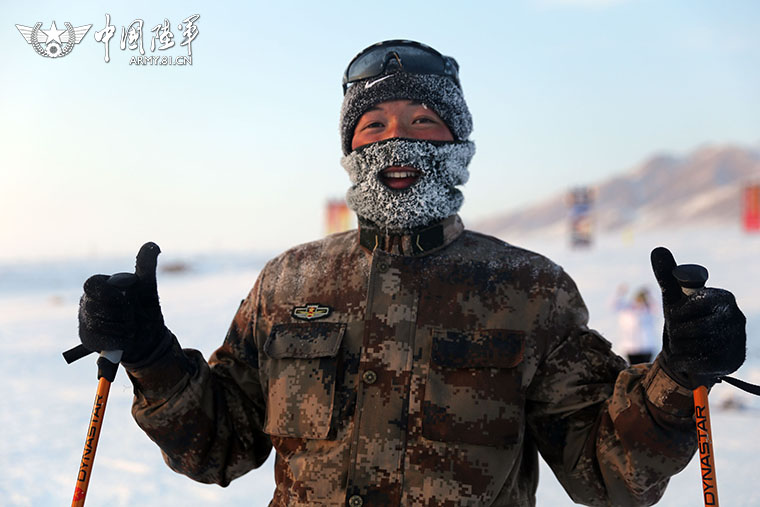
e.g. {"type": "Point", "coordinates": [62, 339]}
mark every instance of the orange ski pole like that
{"type": "Point", "coordinates": [705, 444]}
{"type": "Point", "coordinates": [91, 442]}
{"type": "Point", "coordinates": [692, 277]}
{"type": "Point", "coordinates": [108, 364]}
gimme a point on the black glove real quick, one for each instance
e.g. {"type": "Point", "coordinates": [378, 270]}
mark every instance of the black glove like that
{"type": "Point", "coordinates": [704, 336]}
{"type": "Point", "coordinates": [122, 312]}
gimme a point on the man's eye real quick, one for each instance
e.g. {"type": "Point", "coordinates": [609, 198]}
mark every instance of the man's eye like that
{"type": "Point", "coordinates": [373, 125]}
{"type": "Point", "coordinates": [423, 120]}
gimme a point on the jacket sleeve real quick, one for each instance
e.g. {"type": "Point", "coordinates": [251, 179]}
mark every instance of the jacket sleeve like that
{"type": "Point", "coordinates": [207, 418]}
{"type": "Point", "coordinates": [612, 435]}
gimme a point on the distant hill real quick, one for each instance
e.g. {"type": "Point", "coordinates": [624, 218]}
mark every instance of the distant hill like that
{"type": "Point", "coordinates": [703, 187]}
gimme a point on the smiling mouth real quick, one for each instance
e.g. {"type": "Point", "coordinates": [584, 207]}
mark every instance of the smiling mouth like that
{"type": "Point", "coordinates": [399, 177]}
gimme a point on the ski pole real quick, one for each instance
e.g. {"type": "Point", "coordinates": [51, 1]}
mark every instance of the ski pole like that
{"type": "Point", "coordinates": [108, 365]}
{"type": "Point", "coordinates": [691, 278]}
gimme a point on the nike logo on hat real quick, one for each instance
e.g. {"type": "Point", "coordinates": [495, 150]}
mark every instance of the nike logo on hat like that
{"type": "Point", "coordinates": [373, 83]}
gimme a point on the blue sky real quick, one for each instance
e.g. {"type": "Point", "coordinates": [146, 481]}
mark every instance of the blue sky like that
{"type": "Point", "coordinates": [241, 149]}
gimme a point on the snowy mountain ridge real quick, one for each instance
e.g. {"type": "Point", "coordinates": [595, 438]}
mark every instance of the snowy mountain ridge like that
{"type": "Point", "coordinates": [702, 188]}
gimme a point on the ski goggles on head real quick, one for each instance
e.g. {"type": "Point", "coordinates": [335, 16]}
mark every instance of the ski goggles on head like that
{"type": "Point", "coordinates": [402, 55]}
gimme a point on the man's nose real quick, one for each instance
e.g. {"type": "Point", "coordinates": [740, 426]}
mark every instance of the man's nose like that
{"type": "Point", "coordinates": [396, 129]}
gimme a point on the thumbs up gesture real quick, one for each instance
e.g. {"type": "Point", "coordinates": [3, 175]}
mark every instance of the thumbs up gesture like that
{"type": "Point", "coordinates": [704, 336]}
{"type": "Point", "coordinates": [122, 312]}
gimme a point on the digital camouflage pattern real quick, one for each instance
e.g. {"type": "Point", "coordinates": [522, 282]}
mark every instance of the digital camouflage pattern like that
{"type": "Point", "coordinates": [446, 363]}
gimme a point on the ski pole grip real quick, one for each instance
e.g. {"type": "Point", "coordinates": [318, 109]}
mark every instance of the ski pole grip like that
{"type": "Point", "coordinates": [691, 277]}
{"type": "Point", "coordinates": [108, 364]}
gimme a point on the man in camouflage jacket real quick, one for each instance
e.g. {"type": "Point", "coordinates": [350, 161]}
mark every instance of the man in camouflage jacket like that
{"type": "Point", "coordinates": [413, 362]}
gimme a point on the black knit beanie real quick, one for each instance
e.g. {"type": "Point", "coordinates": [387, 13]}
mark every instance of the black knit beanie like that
{"type": "Point", "coordinates": [440, 93]}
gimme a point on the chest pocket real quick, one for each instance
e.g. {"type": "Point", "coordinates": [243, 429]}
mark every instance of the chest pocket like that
{"type": "Point", "coordinates": [473, 393]}
{"type": "Point", "coordinates": [302, 365]}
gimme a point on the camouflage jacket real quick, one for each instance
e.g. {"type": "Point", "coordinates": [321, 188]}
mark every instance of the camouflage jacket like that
{"type": "Point", "coordinates": [423, 370]}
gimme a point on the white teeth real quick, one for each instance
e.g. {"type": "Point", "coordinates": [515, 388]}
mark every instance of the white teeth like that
{"type": "Point", "coordinates": [401, 174]}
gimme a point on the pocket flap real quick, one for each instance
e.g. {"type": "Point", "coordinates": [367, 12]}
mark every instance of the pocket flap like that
{"type": "Point", "coordinates": [485, 348]}
{"type": "Point", "coordinates": [304, 340]}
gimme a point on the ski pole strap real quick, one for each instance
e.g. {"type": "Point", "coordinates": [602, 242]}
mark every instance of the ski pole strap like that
{"type": "Point", "coordinates": [76, 353]}
{"type": "Point", "coordinates": [744, 386]}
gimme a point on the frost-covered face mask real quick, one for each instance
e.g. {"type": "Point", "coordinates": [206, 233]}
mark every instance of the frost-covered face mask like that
{"type": "Point", "coordinates": [433, 197]}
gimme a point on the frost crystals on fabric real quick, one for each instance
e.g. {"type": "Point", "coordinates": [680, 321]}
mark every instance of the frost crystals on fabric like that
{"type": "Point", "coordinates": [443, 166]}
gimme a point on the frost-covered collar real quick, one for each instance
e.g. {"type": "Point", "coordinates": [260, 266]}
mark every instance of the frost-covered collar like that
{"type": "Point", "coordinates": [413, 243]}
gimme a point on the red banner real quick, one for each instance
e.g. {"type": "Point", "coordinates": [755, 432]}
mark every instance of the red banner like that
{"type": "Point", "coordinates": [751, 211]}
{"type": "Point", "coordinates": [339, 217]}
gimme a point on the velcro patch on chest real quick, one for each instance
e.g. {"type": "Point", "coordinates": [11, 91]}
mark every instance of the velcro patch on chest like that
{"type": "Point", "coordinates": [311, 311]}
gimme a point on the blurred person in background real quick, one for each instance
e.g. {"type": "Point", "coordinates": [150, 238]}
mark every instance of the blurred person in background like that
{"type": "Point", "coordinates": [637, 340]}
{"type": "Point", "coordinates": [412, 361]}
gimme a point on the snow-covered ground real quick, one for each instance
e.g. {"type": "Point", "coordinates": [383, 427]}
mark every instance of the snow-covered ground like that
{"type": "Point", "coordinates": [46, 403]}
